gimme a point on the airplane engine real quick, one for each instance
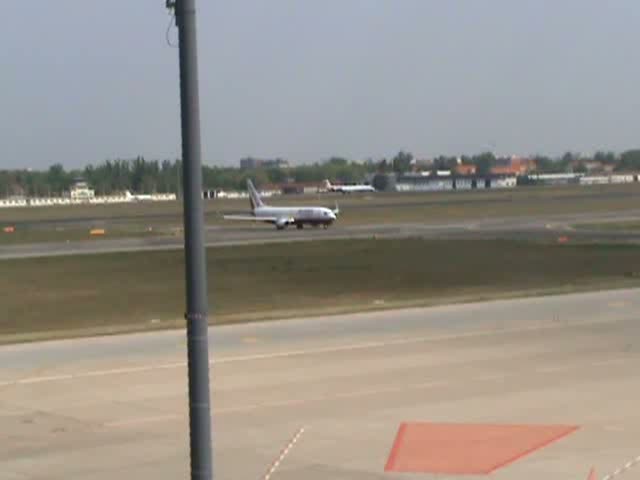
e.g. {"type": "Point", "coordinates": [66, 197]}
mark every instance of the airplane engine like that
{"type": "Point", "coordinates": [281, 223]}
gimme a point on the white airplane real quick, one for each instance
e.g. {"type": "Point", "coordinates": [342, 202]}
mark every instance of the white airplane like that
{"type": "Point", "coordinates": [348, 188]}
{"type": "Point", "coordinates": [282, 217]}
{"type": "Point", "coordinates": [136, 197]}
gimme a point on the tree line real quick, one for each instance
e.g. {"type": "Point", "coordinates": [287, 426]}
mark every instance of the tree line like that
{"type": "Point", "coordinates": [139, 175]}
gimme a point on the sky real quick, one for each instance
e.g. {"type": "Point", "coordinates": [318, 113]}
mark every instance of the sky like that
{"type": "Point", "coordinates": [86, 80]}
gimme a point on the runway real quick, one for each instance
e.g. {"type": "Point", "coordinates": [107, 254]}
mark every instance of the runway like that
{"type": "Point", "coordinates": [547, 226]}
{"type": "Point", "coordinates": [115, 407]}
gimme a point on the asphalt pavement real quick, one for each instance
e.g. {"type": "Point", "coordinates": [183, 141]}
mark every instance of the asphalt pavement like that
{"type": "Point", "coordinates": [116, 407]}
{"type": "Point", "coordinates": [544, 226]}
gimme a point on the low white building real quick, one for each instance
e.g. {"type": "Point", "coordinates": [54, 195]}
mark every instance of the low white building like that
{"type": "Point", "coordinates": [554, 178]}
{"type": "Point", "coordinates": [433, 185]}
{"type": "Point", "coordinates": [504, 182]}
{"type": "Point", "coordinates": [423, 183]}
{"type": "Point", "coordinates": [606, 179]}
{"type": "Point", "coordinates": [624, 178]}
{"type": "Point", "coordinates": [81, 191]}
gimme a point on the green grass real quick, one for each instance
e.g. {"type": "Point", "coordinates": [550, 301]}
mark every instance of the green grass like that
{"type": "Point", "coordinates": [63, 234]}
{"type": "Point", "coordinates": [132, 220]}
{"type": "Point", "coordinates": [124, 291]}
{"type": "Point", "coordinates": [369, 208]}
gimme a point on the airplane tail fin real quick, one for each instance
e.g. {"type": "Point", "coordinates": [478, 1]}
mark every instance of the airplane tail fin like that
{"type": "Point", "coordinates": [327, 184]}
{"type": "Point", "coordinates": [336, 211]}
{"type": "Point", "coordinates": [254, 197]}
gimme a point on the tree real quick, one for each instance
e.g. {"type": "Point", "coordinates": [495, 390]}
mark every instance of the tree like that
{"type": "Point", "coordinates": [277, 175]}
{"type": "Point", "coordinates": [483, 162]}
{"type": "Point", "coordinates": [567, 161]}
{"type": "Point", "coordinates": [629, 160]}
{"type": "Point", "coordinates": [580, 168]}
{"type": "Point", "coordinates": [543, 164]}
{"type": "Point", "coordinates": [383, 166]}
{"type": "Point", "coordinates": [57, 179]}
{"type": "Point", "coordinates": [5, 182]}
{"type": "Point", "coordinates": [606, 158]}
{"type": "Point", "coordinates": [338, 161]}
{"type": "Point", "coordinates": [445, 163]}
{"type": "Point", "coordinates": [380, 181]}
{"type": "Point", "coordinates": [402, 162]}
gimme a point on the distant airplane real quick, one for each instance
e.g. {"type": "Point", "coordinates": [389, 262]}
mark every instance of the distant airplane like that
{"type": "Point", "coordinates": [137, 197]}
{"type": "Point", "coordinates": [282, 217]}
{"type": "Point", "coordinates": [348, 188]}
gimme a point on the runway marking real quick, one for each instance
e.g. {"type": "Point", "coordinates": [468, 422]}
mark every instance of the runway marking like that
{"type": "Point", "coordinates": [627, 466]}
{"type": "Point", "coordinates": [95, 373]}
{"type": "Point", "coordinates": [51, 378]}
{"type": "Point", "coordinates": [274, 466]}
{"type": "Point", "coordinates": [467, 448]}
{"type": "Point", "coordinates": [405, 341]}
{"type": "Point", "coordinates": [140, 421]}
{"type": "Point", "coordinates": [304, 352]}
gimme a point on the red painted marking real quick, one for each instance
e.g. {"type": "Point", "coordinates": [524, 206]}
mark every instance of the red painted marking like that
{"type": "Point", "coordinates": [592, 474]}
{"type": "Point", "coordinates": [533, 448]}
{"type": "Point", "coordinates": [391, 462]}
{"type": "Point", "coordinates": [467, 449]}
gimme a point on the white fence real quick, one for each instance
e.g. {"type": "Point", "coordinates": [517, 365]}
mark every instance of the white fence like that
{"type": "Point", "coordinates": [13, 203]}
{"type": "Point", "coordinates": [59, 201]}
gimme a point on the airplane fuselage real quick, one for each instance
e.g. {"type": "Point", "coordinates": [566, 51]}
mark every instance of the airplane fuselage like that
{"type": "Point", "coordinates": [297, 215]}
{"type": "Point", "coordinates": [354, 189]}
{"type": "Point", "coordinates": [348, 188]}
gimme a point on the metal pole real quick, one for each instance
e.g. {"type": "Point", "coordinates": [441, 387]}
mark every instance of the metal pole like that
{"type": "Point", "coordinates": [195, 254]}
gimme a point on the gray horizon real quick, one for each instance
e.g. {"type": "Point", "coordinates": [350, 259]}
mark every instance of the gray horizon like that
{"type": "Point", "coordinates": [86, 81]}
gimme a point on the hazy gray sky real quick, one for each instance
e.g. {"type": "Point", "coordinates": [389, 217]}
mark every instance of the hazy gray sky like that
{"type": "Point", "coordinates": [86, 80]}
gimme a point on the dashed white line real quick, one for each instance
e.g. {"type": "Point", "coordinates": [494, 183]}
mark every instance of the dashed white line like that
{"type": "Point", "coordinates": [274, 466]}
{"type": "Point", "coordinates": [627, 466]}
